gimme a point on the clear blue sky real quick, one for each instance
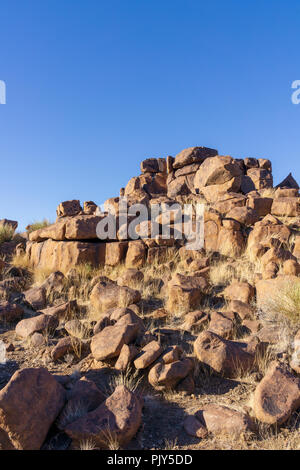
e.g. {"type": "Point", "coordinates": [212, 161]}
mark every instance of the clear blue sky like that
{"type": "Point", "coordinates": [94, 87]}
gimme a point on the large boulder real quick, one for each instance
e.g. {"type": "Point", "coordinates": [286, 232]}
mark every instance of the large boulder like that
{"type": "Point", "coordinates": [64, 255]}
{"type": "Point", "coordinates": [35, 297]}
{"type": "Point", "coordinates": [166, 376]}
{"type": "Point", "coordinates": [229, 358]}
{"type": "Point", "coordinates": [148, 355]}
{"type": "Point", "coordinates": [185, 292]}
{"type": "Point", "coordinates": [222, 324]}
{"type": "Point", "coordinates": [68, 208]}
{"type": "Point", "coordinates": [119, 417]}
{"type": "Point", "coordinates": [267, 229]}
{"type": "Point", "coordinates": [216, 170]}
{"type": "Point", "coordinates": [109, 342]}
{"type": "Point", "coordinates": [38, 324]}
{"type": "Point", "coordinates": [115, 252]}
{"type": "Point", "coordinates": [193, 155]}
{"type": "Point", "coordinates": [286, 206]}
{"type": "Point", "coordinates": [257, 178]}
{"type": "Point", "coordinates": [136, 254]}
{"type": "Point", "coordinates": [10, 312]}
{"type": "Point", "coordinates": [82, 227]}
{"type": "Point", "coordinates": [29, 404]}
{"type": "Point", "coordinates": [277, 396]}
{"type": "Point", "coordinates": [243, 215]}
{"type": "Point", "coordinates": [242, 291]}
{"type": "Point", "coordinates": [218, 419]}
{"type": "Point", "coordinates": [107, 295]}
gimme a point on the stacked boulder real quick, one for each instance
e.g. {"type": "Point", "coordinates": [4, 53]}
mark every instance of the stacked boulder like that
{"type": "Point", "coordinates": [237, 194]}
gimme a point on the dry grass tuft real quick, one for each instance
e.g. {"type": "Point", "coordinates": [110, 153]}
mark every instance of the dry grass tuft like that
{"type": "Point", "coordinates": [111, 440]}
{"type": "Point", "coordinates": [6, 233]}
{"type": "Point", "coordinates": [37, 225]}
{"type": "Point", "coordinates": [71, 412]}
{"type": "Point", "coordinates": [130, 379]}
{"type": "Point", "coordinates": [285, 303]}
{"type": "Point", "coordinates": [171, 444]}
{"type": "Point", "coordinates": [21, 261]}
{"type": "Point", "coordinates": [223, 272]}
{"type": "Point", "coordinates": [88, 444]}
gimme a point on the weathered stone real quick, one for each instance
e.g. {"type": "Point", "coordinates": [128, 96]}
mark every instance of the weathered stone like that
{"type": "Point", "coordinates": [119, 416]}
{"type": "Point", "coordinates": [131, 278]}
{"type": "Point", "coordinates": [115, 253]}
{"type": "Point", "coordinates": [83, 397]}
{"type": "Point", "coordinates": [64, 346]}
{"type": "Point", "coordinates": [261, 205]}
{"type": "Point", "coordinates": [286, 206]}
{"type": "Point", "coordinates": [136, 254]}
{"type": "Point", "coordinates": [106, 295]}
{"type": "Point", "coordinates": [89, 207]}
{"type": "Point", "coordinates": [222, 323]}
{"type": "Point", "coordinates": [36, 297]}
{"type": "Point", "coordinates": [68, 208]}
{"type": "Point", "coordinates": [243, 309]}
{"type": "Point", "coordinates": [216, 170]}
{"type": "Point", "coordinates": [37, 340]}
{"type": "Point", "coordinates": [217, 420]}
{"type": "Point", "coordinates": [29, 404]}
{"type": "Point", "coordinates": [127, 355]}
{"type": "Point", "coordinates": [82, 227]}
{"type": "Point", "coordinates": [244, 215]}
{"type": "Point", "coordinates": [10, 312]}
{"type": "Point", "coordinates": [149, 354]}
{"type": "Point", "coordinates": [277, 395]}
{"type": "Point", "coordinates": [171, 354]}
{"type": "Point", "coordinates": [193, 155]}
{"type": "Point", "coordinates": [229, 358]}
{"type": "Point", "coordinates": [165, 376]}
{"type": "Point", "coordinates": [62, 311]}
{"type": "Point", "coordinates": [241, 291]}
{"type": "Point", "coordinates": [193, 427]}
{"type": "Point", "coordinates": [40, 323]}
{"type": "Point", "coordinates": [109, 342]}
{"type": "Point", "coordinates": [194, 320]}
{"type": "Point", "coordinates": [185, 292]}
{"type": "Point", "coordinates": [64, 255]}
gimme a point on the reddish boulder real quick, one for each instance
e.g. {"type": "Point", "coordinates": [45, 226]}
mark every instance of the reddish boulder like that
{"type": "Point", "coordinates": [29, 404]}
{"type": "Point", "coordinates": [119, 416]}
{"type": "Point", "coordinates": [229, 358]}
{"type": "Point", "coordinates": [10, 312]}
{"type": "Point", "coordinates": [277, 396]}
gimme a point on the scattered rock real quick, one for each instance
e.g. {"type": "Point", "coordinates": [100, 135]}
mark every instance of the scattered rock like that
{"type": "Point", "coordinates": [10, 312]}
{"type": "Point", "coordinates": [229, 358]}
{"type": "Point", "coordinates": [40, 323]}
{"type": "Point", "coordinates": [119, 416]}
{"type": "Point", "coordinates": [277, 396]}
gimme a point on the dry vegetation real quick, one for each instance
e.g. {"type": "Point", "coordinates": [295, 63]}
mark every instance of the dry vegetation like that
{"type": "Point", "coordinates": [7, 233]}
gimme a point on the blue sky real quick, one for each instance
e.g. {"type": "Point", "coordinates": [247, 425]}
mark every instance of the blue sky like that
{"type": "Point", "coordinates": [94, 87]}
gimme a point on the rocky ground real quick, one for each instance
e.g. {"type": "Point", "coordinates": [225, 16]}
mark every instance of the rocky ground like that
{"type": "Point", "coordinates": [144, 344]}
